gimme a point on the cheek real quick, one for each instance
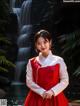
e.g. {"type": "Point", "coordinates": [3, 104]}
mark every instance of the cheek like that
{"type": "Point", "coordinates": [38, 47]}
{"type": "Point", "coordinates": [48, 46]}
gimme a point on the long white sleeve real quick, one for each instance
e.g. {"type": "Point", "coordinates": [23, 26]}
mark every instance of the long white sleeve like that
{"type": "Point", "coordinates": [29, 81]}
{"type": "Point", "coordinates": [64, 79]}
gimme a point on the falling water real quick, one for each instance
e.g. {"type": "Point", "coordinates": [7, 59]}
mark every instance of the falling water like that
{"type": "Point", "coordinates": [12, 4]}
{"type": "Point", "coordinates": [23, 41]}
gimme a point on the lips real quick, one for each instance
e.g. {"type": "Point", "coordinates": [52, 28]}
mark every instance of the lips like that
{"type": "Point", "coordinates": [43, 48]}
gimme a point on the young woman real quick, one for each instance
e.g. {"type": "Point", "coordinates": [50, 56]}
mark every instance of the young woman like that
{"type": "Point", "coordinates": [47, 75]}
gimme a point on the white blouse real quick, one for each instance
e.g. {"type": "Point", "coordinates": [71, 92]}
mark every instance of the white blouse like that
{"type": "Point", "coordinates": [48, 61]}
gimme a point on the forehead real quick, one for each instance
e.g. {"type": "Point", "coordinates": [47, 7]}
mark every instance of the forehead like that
{"type": "Point", "coordinates": [42, 39]}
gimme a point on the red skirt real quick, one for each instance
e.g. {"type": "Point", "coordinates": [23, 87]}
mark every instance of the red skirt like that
{"type": "Point", "coordinates": [34, 99]}
{"type": "Point", "coordinates": [47, 77]}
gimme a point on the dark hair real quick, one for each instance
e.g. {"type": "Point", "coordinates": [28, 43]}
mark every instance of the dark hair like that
{"type": "Point", "coordinates": [45, 34]}
{"type": "Point", "coordinates": [42, 33]}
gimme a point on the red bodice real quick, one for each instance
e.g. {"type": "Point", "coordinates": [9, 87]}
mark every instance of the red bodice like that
{"type": "Point", "coordinates": [46, 77]}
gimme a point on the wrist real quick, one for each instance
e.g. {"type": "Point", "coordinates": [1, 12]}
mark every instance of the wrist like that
{"type": "Point", "coordinates": [52, 92]}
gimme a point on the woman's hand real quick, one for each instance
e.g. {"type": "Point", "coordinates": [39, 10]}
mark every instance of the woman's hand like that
{"type": "Point", "coordinates": [48, 94]}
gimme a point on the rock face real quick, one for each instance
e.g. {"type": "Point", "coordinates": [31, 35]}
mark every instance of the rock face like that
{"type": "Point", "coordinates": [38, 14]}
{"type": "Point", "coordinates": [56, 16]}
{"type": "Point", "coordinates": [38, 9]}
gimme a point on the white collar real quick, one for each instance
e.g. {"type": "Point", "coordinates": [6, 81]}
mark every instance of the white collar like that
{"type": "Point", "coordinates": [49, 60]}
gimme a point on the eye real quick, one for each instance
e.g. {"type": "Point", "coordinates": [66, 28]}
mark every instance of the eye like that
{"type": "Point", "coordinates": [37, 43]}
{"type": "Point", "coordinates": [45, 42]}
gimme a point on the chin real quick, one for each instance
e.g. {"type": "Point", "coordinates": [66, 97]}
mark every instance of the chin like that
{"type": "Point", "coordinates": [44, 51]}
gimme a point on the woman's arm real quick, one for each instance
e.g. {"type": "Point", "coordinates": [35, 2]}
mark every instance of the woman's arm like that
{"type": "Point", "coordinates": [64, 79]}
{"type": "Point", "coordinates": [30, 83]}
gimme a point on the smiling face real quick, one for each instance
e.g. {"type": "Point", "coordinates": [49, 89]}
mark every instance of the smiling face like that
{"type": "Point", "coordinates": [43, 45]}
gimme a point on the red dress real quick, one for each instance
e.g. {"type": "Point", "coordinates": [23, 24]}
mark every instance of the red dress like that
{"type": "Point", "coordinates": [46, 77]}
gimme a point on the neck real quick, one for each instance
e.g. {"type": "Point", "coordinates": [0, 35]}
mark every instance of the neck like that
{"type": "Point", "coordinates": [45, 54]}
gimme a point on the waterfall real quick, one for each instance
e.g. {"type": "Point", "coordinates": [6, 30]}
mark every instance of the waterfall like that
{"type": "Point", "coordinates": [23, 41]}
{"type": "Point", "coordinates": [12, 4]}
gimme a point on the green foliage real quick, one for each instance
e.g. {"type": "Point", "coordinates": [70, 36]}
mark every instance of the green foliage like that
{"type": "Point", "coordinates": [4, 14]}
{"type": "Point", "coordinates": [4, 41]}
{"type": "Point", "coordinates": [71, 47]}
{"type": "Point", "coordinates": [3, 60]}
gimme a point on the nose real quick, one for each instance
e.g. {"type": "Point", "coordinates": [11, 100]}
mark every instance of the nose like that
{"type": "Point", "coordinates": [42, 45]}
